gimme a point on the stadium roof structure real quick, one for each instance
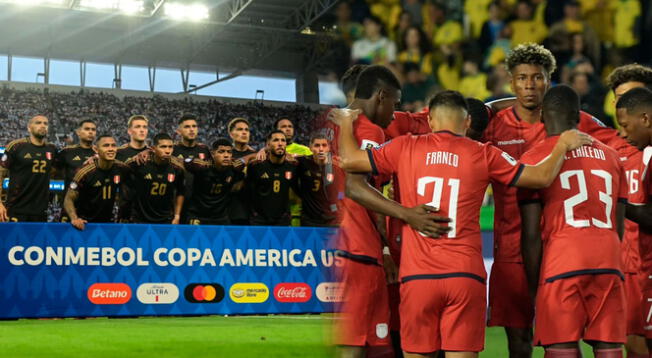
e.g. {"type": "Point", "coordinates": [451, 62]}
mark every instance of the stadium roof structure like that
{"type": "Point", "coordinates": [268, 37]}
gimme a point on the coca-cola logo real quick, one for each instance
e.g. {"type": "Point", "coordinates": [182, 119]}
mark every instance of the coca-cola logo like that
{"type": "Point", "coordinates": [292, 292]}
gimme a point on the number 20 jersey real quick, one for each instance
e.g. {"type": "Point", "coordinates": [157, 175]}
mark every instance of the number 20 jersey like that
{"type": "Point", "coordinates": [579, 211]}
{"type": "Point", "coordinates": [450, 172]}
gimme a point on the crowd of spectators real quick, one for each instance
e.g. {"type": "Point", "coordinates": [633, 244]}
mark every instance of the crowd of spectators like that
{"type": "Point", "coordinates": [110, 112]}
{"type": "Point", "coordinates": [460, 44]}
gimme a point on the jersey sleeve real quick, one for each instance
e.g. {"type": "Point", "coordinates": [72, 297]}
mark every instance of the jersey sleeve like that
{"type": "Point", "coordinates": [501, 166]}
{"type": "Point", "coordinates": [399, 126]}
{"type": "Point", "coordinates": [384, 159]}
{"type": "Point", "coordinates": [79, 180]}
{"type": "Point", "coordinates": [8, 157]}
{"type": "Point", "coordinates": [369, 136]}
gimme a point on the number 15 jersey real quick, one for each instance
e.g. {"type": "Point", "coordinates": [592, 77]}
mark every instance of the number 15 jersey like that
{"type": "Point", "coordinates": [449, 172]}
{"type": "Point", "coordinates": [579, 211]}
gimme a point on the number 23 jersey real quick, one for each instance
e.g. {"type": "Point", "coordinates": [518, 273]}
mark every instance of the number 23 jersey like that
{"type": "Point", "coordinates": [579, 210]}
{"type": "Point", "coordinates": [449, 172]}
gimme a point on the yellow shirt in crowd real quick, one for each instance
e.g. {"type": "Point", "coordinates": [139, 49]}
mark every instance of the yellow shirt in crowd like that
{"type": "Point", "coordinates": [627, 12]}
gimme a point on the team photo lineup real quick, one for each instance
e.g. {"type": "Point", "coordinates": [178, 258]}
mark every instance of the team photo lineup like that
{"type": "Point", "coordinates": [443, 108]}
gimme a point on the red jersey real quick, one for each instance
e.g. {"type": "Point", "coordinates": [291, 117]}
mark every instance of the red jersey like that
{"type": "Point", "coordinates": [358, 238]}
{"type": "Point", "coordinates": [514, 136]}
{"type": "Point", "coordinates": [450, 172]}
{"type": "Point", "coordinates": [642, 197]}
{"type": "Point", "coordinates": [634, 168]}
{"type": "Point", "coordinates": [579, 211]}
{"type": "Point", "coordinates": [408, 123]}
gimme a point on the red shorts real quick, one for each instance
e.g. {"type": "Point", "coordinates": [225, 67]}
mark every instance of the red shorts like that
{"type": "Point", "coordinates": [589, 307]}
{"type": "Point", "coordinates": [634, 297]}
{"type": "Point", "coordinates": [364, 313]}
{"type": "Point", "coordinates": [509, 298]}
{"type": "Point", "coordinates": [443, 314]}
{"type": "Point", "coordinates": [647, 304]}
{"type": "Point", "coordinates": [393, 292]}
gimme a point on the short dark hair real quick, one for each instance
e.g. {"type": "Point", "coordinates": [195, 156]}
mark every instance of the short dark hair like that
{"type": "Point", "coordinates": [448, 98]}
{"type": "Point", "coordinates": [564, 104]}
{"type": "Point", "coordinates": [350, 78]}
{"type": "Point", "coordinates": [531, 54]}
{"type": "Point", "coordinates": [372, 79]}
{"type": "Point", "coordinates": [187, 117]}
{"type": "Point", "coordinates": [276, 122]}
{"type": "Point", "coordinates": [316, 136]}
{"type": "Point", "coordinates": [237, 120]}
{"type": "Point", "coordinates": [635, 99]}
{"type": "Point", "coordinates": [479, 114]}
{"type": "Point", "coordinates": [103, 135]}
{"type": "Point", "coordinates": [630, 73]}
{"type": "Point", "coordinates": [221, 142]}
{"type": "Point", "coordinates": [159, 137]}
{"type": "Point", "coordinates": [269, 136]}
{"type": "Point", "coordinates": [81, 123]}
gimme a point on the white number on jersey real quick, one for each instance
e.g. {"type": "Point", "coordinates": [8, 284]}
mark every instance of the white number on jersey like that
{"type": "Point", "coordinates": [436, 198]}
{"type": "Point", "coordinates": [582, 196]}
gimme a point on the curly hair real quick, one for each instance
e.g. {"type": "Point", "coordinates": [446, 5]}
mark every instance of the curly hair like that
{"type": "Point", "coordinates": [531, 54]}
{"type": "Point", "coordinates": [630, 73]}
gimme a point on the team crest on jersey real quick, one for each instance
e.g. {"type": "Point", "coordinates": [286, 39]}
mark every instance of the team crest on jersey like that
{"type": "Point", "coordinates": [116, 179]}
{"type": "Point", "coordinates": [368, 144]}
{"type": "Point", "coordinates": [288, 175]}
{"type": "Point", "coordinates": [48, 155]}
{"type": "Point", "coordinates": [73, 185]}
{"type": "Point", "coordinates": [170, 177]}
{"type": "Point", "coordinates": [202, 156]}
{"type": "Point", "coordinates": [382, 330]}
{"type": "Point", "coordinates": [330, 177]}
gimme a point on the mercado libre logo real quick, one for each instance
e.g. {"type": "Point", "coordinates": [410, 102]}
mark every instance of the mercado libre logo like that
{"type": "Point", "coordinates": [254, 292]}
{"type": "Point", "coordinates": [109, 293]}
{"type": "Point", "coordinates": [292, 292]}
{"type": "Point", "coordinates": [204, 293]}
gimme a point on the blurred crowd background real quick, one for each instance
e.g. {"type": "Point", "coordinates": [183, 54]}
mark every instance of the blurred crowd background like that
{"type": "Point", "coordinates": [460, 45]}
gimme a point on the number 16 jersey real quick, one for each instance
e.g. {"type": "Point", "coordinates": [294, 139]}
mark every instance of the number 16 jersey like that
{"type": "Point", "coordinates": [449, 172]}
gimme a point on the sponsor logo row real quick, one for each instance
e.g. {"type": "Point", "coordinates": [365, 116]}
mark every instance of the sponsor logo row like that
{"type": "Point", "coordinates": [255, 292]}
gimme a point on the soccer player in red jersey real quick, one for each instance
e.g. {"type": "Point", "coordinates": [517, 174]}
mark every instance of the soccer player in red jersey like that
{"type": "Point", "coordinates": [634, 115]}
{"type": "Point", "coordinates": [365, 310]}
{"type": "Point", "coordinates": [515, 130]}
{"type": "Point", "coordinates": [572, 260]}
{"type": "Point", "coordinates": [621, 80]}
{"type": "Point", "coordinates": [443, 291]}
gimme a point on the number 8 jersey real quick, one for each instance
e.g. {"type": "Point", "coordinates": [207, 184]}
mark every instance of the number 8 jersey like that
{"type": "Point", "coordinates": [579, 211]}
{"type": "Point", "coordinates": [449, 172]}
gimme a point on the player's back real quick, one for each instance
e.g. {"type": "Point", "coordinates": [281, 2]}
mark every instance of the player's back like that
{"type": "Point", "coordinates": [579, 210]}
{"type": "Point", "coordinates": [450, 172]}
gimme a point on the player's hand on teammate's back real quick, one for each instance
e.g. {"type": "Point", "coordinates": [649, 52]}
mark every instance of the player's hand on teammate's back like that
{"type": "Point", "coordinates": [142, 157]}
{"type": "Point", "coordinates": [391, 271]}
{"type": "Point", "coordinates": [338, 115]}
{"type": "Point", "coordinates": [79, 223]}
{"type": "Point", "coordinates": [261, 155]}
{"type": "Point", "coordinates": [422, 219]}
{"type": "Point", "coordinates": [90, 160]}
{"type": "Point", "coordinates": [575, 139]}
{"type": "Point", "coordinates": [3, 214]}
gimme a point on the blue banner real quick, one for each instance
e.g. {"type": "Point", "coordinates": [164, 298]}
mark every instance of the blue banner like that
{"type": "Point", "coordinates": [54, 270]}
{"type": "Point", "coordinates": [55, 185]}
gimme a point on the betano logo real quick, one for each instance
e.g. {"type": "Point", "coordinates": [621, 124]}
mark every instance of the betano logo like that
{"type": "Point", "coordinates": [204, 293]}
{"type": "Point", "coordinates": [292, 292]}
{"type": "Point", "coordinates": [254, 292]}
{"type": "Point", "coordinates": [109, 293]}
{"type": "Point", "coordinates": [330, 292]}
{"type": "Point", "coordinates": [157, 293]}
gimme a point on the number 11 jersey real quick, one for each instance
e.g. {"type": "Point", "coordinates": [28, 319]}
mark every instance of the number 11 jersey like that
{"type": "Point", "coordinates": [449, 172]}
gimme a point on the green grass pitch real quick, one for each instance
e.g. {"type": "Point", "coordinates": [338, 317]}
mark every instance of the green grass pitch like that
{"type": "Point", "coordinates": [181, 337]}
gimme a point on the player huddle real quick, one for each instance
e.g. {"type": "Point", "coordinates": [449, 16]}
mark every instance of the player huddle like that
{"type": "Point", "coordinates": [166, 182]}
{"type": "Point", "coordinates": [566, 261]}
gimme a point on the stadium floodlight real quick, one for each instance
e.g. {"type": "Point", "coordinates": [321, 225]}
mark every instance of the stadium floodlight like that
{"type": "Point", "coordinates": [193, 12]}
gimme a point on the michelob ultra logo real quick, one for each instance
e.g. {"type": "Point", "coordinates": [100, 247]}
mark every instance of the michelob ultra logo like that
{"type": "Point", "coordinates": [109, 293]}
{"type": "Point", "coordinates": [254, 292]}
{"type": "Point", "coordinates": [157, 293]}
{"type": "Point", "coordinates": [330, 292]}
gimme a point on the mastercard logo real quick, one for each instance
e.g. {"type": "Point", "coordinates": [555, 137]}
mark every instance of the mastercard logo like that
{"type": "Point", "coordinates": [204, 293]}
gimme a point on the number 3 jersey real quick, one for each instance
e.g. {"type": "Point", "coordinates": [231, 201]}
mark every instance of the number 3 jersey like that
{"type": "Point", "coordinates": [579, 211]}
{"type": "Point", "coordinates": [449, 172]}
